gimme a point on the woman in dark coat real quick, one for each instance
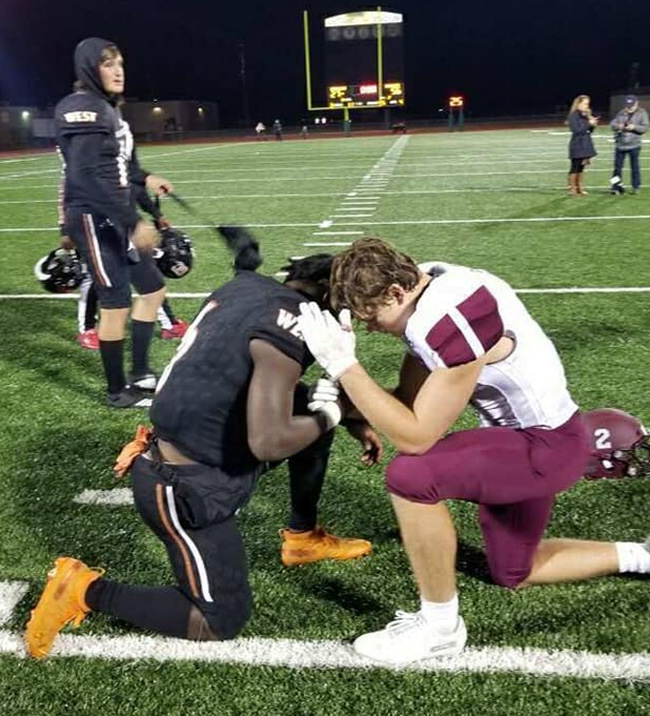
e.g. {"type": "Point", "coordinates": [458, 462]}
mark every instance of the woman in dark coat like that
{"type": "Point", "coordinates": [581, 147]}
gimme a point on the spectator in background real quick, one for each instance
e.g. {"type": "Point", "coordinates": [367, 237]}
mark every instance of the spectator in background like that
{"type": "Point", "coordinates": [628, 125]}
{"type": "Point", "coordinates": [277, 129]}
{"type": "Point", "coordinates": [581, 146]}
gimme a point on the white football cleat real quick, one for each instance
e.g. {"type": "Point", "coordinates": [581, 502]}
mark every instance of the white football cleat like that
{"type": "Point", "coordinates": [410, 638]}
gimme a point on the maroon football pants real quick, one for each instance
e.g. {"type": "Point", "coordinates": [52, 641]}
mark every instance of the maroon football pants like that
{"type": "Point", "coordinates": [513, 475]}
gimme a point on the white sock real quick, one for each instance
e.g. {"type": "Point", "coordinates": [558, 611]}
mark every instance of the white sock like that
{"type": "Point", "coordinates": [163, 319]}
{"type": "Point", "coordinates": [633, 557]}
{"type": "Point", "coordinates": [442, 615]}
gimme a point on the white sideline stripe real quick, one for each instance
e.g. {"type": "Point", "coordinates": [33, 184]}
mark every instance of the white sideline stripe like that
{"type": "Point", "coordinates": [294, 654]}
{"type": "Point", "coordinates": [111, 498]}
{"type": "Point", "coordinates": [10, 594]}
{"type": "Point", "coordinates": [561, 290]}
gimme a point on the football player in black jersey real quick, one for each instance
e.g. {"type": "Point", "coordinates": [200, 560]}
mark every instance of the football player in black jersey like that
{"type": "Point", "coordinates": [100, 166]}
{"type": "Point", "coordinates": [171, 326]}
{"type": "Point", "coordinates": [229, 406]}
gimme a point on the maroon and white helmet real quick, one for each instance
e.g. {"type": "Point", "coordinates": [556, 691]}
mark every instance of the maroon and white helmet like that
{"type": "Point", "coordinates": [620, 446]}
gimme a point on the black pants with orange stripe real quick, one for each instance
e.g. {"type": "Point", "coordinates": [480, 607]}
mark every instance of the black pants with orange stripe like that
{"type": "Point", "coordinates": [192, 510]}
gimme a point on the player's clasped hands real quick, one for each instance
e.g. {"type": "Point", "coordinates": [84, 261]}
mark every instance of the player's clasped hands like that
{"type": "Point", "coordinates": [331, 342]}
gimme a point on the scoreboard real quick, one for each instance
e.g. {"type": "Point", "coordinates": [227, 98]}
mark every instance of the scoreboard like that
{"type": "Point", "coordinates": [366, 95]}
{"type": "Point", "coordinates": [352, 43]}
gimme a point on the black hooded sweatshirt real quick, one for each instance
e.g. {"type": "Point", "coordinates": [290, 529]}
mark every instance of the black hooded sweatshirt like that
{"type": "Point", "coordinates": [100, 166]}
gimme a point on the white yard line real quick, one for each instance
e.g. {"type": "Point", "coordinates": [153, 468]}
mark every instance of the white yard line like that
{"type": "Point", "coordinates": [294, 654]}
{"type": "Point", "coordinates": [327, 243]}
{"type": "Point", "coordinates": [361, 196]}
{"type": "Point", "coordinates": [557, 290]}
{"type": "Point", "coordinates": [337, 233]}
{"type": "Point", "coordinates": [111, 498]}
{"type": "Point", "coordinates": [377, 178]}
{"type": "Point", "coordinates": [406, 222]}
{"type": "Point", "coordinates": [10, 594]}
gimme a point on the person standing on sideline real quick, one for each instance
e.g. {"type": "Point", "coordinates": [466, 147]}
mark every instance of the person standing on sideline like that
{"type": "Point", "coordinates": [628, 126]}
{"type": "Point", "coordinates": [581, 146]}
{"type": "Point", "coordinates": [98, 203]}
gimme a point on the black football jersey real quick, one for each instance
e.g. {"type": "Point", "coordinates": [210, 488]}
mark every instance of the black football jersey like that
{"type": "Point", "coordinates": [200, 404]}
{"type": "Point", "coordinates": [96, 146]}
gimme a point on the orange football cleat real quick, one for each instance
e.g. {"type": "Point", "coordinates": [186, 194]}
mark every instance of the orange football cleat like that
{"type": "Point", "coordinates": [317, 544]}
{"type": "Point", "coordinates": [62, 602]}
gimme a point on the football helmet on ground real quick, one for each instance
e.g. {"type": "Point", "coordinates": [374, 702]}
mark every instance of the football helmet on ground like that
{"type": "Point", "coordinates": [175, 255]}
{"type": "Point", "coordinates": [60, 271]}
{"type": "Point", "coordinates": [620, 446]}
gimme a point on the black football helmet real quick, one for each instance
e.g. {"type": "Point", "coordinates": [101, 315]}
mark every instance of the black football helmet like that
{"type": "Point", "coordinates": [620, 446]}
{"type": "Point", "coordinates": [175, 255]}
{"type": "Point", "coordinates": [60, 271]}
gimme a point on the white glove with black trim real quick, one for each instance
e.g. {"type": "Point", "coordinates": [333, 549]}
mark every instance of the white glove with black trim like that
{"type": "Point", "coordinates": [323, 398]}
{"type": "Point", "coordinates": [331, 342]}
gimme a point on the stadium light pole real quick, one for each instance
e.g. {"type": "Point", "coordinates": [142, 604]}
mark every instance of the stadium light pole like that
{"type": "Point", "coordinates": [242, 77]}
{"type": "Point", "coordinates": [305, 26]}
{"type": "Point", "coordinates": [380, 67]}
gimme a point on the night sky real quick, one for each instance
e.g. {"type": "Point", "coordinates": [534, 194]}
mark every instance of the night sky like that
{"type": "Point", "coordinates": [507, 57]}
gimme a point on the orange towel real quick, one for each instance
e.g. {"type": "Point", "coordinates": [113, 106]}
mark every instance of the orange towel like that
{"type": "Point", "coordinates": [131, 450]}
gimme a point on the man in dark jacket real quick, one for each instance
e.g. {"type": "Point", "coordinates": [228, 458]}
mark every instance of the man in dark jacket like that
{"type": "Point", "coordinates": [628, 125]}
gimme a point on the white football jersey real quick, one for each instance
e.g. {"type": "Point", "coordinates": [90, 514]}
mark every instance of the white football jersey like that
{"type": "Point", "coordinates": [463, 313]}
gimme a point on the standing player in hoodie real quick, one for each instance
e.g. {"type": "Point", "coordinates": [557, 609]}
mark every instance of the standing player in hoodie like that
{"type": "Point", "coordinates": [101, 168]}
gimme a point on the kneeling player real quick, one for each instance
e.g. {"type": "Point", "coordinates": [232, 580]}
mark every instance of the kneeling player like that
{"type": "Point", "coordinates": [228, 407]}
{"type": "Point", "coordinates": [470, 339]}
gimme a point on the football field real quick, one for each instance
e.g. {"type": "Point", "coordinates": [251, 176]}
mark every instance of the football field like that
{"type": "Point", "coordinates": [495, 200]}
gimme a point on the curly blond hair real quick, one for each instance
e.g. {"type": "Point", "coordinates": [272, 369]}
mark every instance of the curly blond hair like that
{"type": "Point", "coordinates": [362, 275]}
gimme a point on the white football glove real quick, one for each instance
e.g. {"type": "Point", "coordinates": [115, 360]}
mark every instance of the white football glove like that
{"type": "Point", "coordinates": [323, 396]}
{"type": "Point", "coordinates": [331, 342]}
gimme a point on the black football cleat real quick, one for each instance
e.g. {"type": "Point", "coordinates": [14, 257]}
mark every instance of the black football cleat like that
{"type": "Point", "coordinates": [616, 186]}
{"type": "Point", "coordinates": [129, 397]}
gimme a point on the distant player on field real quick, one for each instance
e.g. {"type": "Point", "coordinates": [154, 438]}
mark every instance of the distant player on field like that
{"type": "Point", "coordinates": [229, 406]}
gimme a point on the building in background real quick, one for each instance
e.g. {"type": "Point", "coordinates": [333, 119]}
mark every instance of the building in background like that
{"type": "Point", "coordinates": [17, 126]}
{"type": "Point", "coordinates": [170, 119]}
{"type": "Point", "coordinates": [22, 127]}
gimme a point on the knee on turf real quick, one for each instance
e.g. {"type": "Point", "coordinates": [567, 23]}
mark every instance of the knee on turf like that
{"type": "Point", "coordinates": [507, 576]}
{"type": "Point", "coordinates": [227, 621]}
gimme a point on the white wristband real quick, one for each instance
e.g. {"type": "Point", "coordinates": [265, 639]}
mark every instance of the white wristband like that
{"type": "Point", "coordinates": [337, 368]}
